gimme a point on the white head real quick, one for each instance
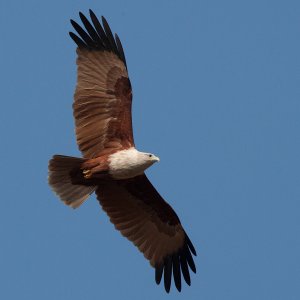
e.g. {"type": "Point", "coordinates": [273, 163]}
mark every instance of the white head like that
{"type": "Point", "coordinates": [140, 159]}
{"type": "Point", "coordinates": [148, 158]}
{"type": "Point", "coordinates": [130, 163]}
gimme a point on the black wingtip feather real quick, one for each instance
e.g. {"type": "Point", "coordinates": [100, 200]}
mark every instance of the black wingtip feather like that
{"type": "Point", "coordinates": [185, 269]}
{"type": "Point", "coordinates": [191, 246]}
{"type": "Point", "coordinates": [180, 262]}
{"type": "Point", "coordinates": [100, 31]}
{"type": "Point", "coordinates": [158, 273]}
{"type": "Point", "coordinates": [84, 36]}
{"type": "Point", "coordinates": [176, 272]}
{"type": "Point", "coordinates": [90, 29]}
{"type": "Point", "coordinates": [189, 259]}
{"type": "Point", "coordinates": [120, 49]}
{"type": "Point", "coordinates": [168, 273]}
{"type": "Point", "coordinates": [94, 37]}
{"type": "Point", "coordinates": [109, 35]}
{"type": "Point", "coordinates": [80, 43]}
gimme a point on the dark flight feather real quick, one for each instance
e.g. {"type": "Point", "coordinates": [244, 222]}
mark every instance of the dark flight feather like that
{"type": "Point", "coordinates": [168, 273]}
{"type": "Point", "coordinates": [100, 30]}
{"type": "Point", "coordinates": [94, 36]}
{"type": "Point", "coordinates": [158, 273]}
{"type": "Point", "coordinates": [185, 269]}
{"type": "Point", "coordinates": [109, 35]}
{"type": "Point", "coordinates": [79, 42]}
{"type": "Point", "coordinates": [84, 36]}
{"type": "Point", "coordinates": [120, 49]}
{"type": "Point", "coordinates": [176, 272]}
{"type": "Point", "coordinates": [181, 262]}
{"type": "Point", "coordinates": [189, 259]}
{"type": "Point", "coordinates": [90, 29]}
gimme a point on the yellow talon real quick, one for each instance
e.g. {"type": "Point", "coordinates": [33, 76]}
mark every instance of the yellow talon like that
{"type": "Point", "coordinates": [87, 173]}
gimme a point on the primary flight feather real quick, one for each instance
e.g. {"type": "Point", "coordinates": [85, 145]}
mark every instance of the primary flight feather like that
{"type": "Point", "coordinates": [111, 166]}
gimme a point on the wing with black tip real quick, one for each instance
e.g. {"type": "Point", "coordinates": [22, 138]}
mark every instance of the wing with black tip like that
{"type": "Point", "coordinates": [103, 96]}
{"type": "Point", "coordinates": [145, 218]}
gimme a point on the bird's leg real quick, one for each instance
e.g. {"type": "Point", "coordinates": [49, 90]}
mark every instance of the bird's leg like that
{"type": "Point", "coordinates": [87, 173]}
{"type": "Point", "coordinates": [88, 168]}
{"type": "Point", "coordinates": [94, 167]}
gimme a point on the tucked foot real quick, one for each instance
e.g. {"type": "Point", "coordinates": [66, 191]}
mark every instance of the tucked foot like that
{"type": "Point", "coordinates": [87, 173]}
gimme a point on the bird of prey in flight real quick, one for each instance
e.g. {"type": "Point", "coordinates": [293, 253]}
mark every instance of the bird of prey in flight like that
{"type": "Point", "coordinates": [111, 165]}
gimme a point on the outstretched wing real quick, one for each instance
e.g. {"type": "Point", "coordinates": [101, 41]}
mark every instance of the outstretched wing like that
{"type": "Point", "coordinates": [102, 100]}
{"type": "Point", "coordinates": [141, 215]}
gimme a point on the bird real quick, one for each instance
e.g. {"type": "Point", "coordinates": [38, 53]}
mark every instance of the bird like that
{"type": "Point", "coordinates": [110, 165]}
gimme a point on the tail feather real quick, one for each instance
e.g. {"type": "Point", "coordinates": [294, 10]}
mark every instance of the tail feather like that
{"type": "Point", "coordinates": [60, 179]}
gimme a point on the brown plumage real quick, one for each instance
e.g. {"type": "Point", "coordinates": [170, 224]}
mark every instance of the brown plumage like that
{"type": "Point", "coordinates": [111, 165]}
{"type": "Point", "coordinates": [102, 106]}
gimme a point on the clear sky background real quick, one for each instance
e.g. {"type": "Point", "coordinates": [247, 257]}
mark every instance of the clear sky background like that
{"type": "Point", "coordinates": [216, 95]}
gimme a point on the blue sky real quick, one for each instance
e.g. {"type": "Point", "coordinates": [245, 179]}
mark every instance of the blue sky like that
{"type": "Point", "coordinates": [216, 95]}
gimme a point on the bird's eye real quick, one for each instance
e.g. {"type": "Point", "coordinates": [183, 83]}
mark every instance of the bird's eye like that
{"type": "Point", "coordinates": [150, 155]}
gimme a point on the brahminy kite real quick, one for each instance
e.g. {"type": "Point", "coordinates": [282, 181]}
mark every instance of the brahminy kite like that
{"type": "Point", "coordinates": [111, 165]}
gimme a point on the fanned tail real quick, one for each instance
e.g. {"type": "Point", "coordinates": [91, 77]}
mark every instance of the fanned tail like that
{"type": "Point", "coordinates": [61, 179]}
